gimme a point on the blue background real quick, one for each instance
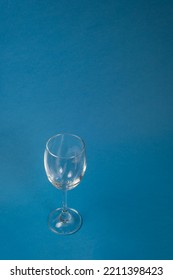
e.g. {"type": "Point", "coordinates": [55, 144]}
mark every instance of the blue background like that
{"type": "Point", "coordinates": [102, 70]}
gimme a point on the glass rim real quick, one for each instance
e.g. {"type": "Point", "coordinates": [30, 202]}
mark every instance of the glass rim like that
{"type": "Point", "coordinates": [69, 134]}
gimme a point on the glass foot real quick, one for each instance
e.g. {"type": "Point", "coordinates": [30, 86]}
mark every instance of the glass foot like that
{"type": "Point", "coordinates": [64, 222]}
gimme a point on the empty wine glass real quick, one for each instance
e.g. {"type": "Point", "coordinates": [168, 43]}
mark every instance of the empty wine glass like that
{"type": "Point", "coordinates": [65, 165]}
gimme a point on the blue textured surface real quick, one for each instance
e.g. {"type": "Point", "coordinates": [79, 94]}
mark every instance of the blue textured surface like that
{"type": "Point", "coordinates": [102, 70]}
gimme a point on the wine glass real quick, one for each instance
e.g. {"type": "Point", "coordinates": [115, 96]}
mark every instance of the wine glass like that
{"type": "Point", "coordinates": [65, 165]}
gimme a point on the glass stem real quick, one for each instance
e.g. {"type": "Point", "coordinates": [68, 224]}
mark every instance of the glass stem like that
{"type": "Point", "coordinates": [65, 215]}
{"type": "Point", "coordinates": [64, 201]}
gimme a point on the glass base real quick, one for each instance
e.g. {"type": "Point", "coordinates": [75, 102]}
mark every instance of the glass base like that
{"type": "Point", "coordinates": [64, 222]}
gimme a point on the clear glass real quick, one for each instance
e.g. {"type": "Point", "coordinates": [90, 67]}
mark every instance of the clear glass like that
{"type": "Point", "coordinates": [65, 165]}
